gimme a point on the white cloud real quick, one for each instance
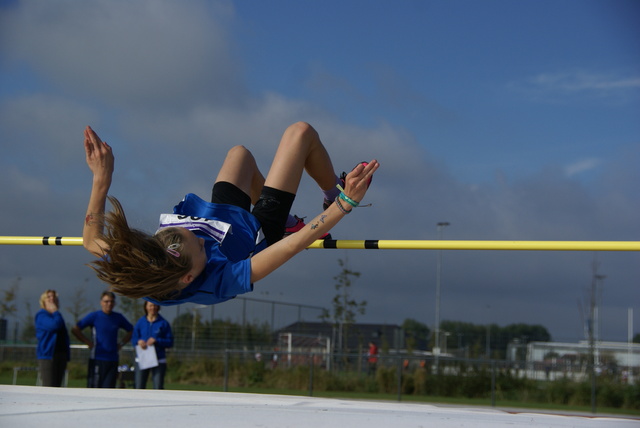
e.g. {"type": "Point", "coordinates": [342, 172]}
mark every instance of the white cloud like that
{"type": "Point", "coordinates": [582, 165]}
{"type": "Point", "coordinates": [583, 81]}
{"type": "Point", "coordinates": [565, 85]}
{"type": "Point", "coordinates": [127, 53]}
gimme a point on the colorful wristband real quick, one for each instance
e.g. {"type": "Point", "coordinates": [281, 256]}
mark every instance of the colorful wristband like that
{"type": "Point", "coordinates": [348, 200]}
{"type": "Point", "coordinates": [340, 207]}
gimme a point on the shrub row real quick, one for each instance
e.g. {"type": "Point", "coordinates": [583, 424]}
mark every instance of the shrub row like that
{"type": "Point", "coordinates": [474, 383]}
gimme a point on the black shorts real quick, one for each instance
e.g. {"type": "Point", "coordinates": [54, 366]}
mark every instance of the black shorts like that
{"type": "Point", "coordinates": [271, 210]}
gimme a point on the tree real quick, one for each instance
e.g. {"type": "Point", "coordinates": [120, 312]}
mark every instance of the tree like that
{"type": "Point", "coordinates": [8, 306]}
{"type": "Point", "coordinates": [416, 334]}
{"type": "Point", "coordinates": [345, 308]}
{"type": "Point", "coordinates": [131, 308]}
{"type": "Point", "coordinates": [29, 329]}
{"type": "Point", "coordinates": [479, 339]}
{"type": "Point", "coordinates": [183, 329]}
{"type": "Point", "coordinates": [8, 302]}
{"type": "Point", "coordinates": [464, 335]}
{"type": "Point", "coordinates": [195, 333]}
{"type": "Point", "coordinates": [79, 305]}
{"type": "Point", "coordinates": [526, 333]}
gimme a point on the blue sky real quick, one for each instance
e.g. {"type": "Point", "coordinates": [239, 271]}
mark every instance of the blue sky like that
{"type": "Point", "coordinates": [469, 79]}
{"type": "Point", "coordinates": [510, 120]}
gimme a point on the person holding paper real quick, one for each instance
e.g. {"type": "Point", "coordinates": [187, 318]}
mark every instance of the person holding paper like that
{"type": "Point", "coordinates": [151, 337]}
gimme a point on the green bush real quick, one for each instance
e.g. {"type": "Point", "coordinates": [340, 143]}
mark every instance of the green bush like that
{"type": "Point", "coordinates": [507, 385]}
{"type": "Point", "coordinates": [420, 381]}
{"type": "Point", "coordinates": [201, 371]}
{"type": "Point", "coordinates": [256, 373]}
{"type": "Point", "coordinates": [632, 396]}
{"type": "Point", "coordinates": [408, 383]}
{"type": "Point", "coordinates": [611, 395]}
{"type": "Point", "coordinates": [476, 384]}
{"type": "Point", "coordinates": [386, 380]}
{"type": "Point", "coordinates": [561, 391]}
{"type": "Point", "coordinates": [581, 393]}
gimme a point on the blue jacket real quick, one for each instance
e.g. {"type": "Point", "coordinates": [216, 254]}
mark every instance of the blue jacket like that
{"type": "Point", "coordinates": [48, 327]}
{"type": "Point", "coordinates": [160, 330]}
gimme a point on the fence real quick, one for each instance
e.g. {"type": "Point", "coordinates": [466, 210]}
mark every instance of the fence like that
{"type": "Point", "coordinates": [399, 375]}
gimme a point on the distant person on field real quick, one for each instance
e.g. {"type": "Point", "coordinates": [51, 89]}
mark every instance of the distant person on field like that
{"type": "Point", "coordinates": [372, 357]}
{"type": "Point", "coordinates": [104, 345]}
{"type": "Point", "coordinates": [53, 351]}
{"type": "Point", "coordinates": [152, 330]}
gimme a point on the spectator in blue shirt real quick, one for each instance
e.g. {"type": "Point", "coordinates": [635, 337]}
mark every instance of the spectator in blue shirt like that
{"type": "Point", "coordinates": [152, 329]}
{"type": "Point", "coordinates": [53, 340]}
{"type": "Point", "coordinates": [104, 345]}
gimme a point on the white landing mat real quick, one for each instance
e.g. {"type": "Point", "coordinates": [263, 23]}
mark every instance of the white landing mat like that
{"type": "Point", "coordinates": [28, 406]}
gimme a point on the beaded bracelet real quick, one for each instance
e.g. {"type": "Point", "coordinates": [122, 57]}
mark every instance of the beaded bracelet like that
{"type": "Point", "coordinates": [349, 200]}
{"type": "Point", "coordinates": [340, 207]}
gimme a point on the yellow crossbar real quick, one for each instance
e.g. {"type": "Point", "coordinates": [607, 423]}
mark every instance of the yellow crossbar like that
{"type": "Point", "coordinates": [382, 244]}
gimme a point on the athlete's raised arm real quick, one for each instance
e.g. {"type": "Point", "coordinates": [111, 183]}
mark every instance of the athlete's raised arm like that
{"type": "Point", "coordinates": [101, 162]}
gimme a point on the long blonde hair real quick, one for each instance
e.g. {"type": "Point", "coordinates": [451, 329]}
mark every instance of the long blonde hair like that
{"type": "Point", "coordinates": [138, 264]}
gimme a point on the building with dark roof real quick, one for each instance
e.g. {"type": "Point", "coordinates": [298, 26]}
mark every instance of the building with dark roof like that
{"type": "Point", "coordinates": [351, 338]}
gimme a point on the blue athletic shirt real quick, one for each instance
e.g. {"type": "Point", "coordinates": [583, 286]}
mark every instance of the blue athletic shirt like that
{"type": "Point", "coordinates": [105, 333]}
{"type": "Point", "coordinates": [232, 235]}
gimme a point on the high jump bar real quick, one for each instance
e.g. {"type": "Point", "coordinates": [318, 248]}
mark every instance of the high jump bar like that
{"type": "Point", "coordinates": [382, 244]}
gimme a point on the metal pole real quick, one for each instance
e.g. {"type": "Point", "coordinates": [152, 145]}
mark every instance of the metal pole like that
{"type": "Point", "coordinates": [193, 331]}
{"type": "Point", "coordinates": [311, 364]}
{"type": "Point", "coordinates": [399, 376]}
{"type": "Point", "coordinates": [629, 346]}
{"type": "Point", "coordinates": [225, 386]}
{"type": "Point", "coordinates": [273, 315]}
{"type": "Point", "coordinates": [436, 349]}
{"type": "Point", "coordinates": [488, 342]}
{"type": "Point", "coordinates": [493, 383]}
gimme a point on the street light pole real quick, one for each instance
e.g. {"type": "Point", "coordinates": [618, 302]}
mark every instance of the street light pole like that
{"type": "Point", "coordinates": [436, 349]}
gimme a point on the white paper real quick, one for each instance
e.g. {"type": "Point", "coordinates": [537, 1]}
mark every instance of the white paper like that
{"type": "Point", "coordinates": [147, 358]}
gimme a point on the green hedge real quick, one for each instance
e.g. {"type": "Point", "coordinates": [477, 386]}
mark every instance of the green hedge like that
{"type": "Point", "coordinates": [475, 383]}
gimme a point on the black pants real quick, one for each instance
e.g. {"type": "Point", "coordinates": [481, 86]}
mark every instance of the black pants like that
{"type": "Point", "coordinates": [102, 374]}
{"type": "Point", "coordinates": [271, 210]}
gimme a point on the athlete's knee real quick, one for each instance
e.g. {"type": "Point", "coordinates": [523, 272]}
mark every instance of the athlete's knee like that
{"type": "Point", "coordinates": [299, 136]}
{"type": "Point", "coordinates": [301, 130]}
{"type": "Point", "coordinates": [239, 150]}
{"type": "Point", "coordinates": [239, 157]}
{"type": "Point", "coordinates": [241, 154]}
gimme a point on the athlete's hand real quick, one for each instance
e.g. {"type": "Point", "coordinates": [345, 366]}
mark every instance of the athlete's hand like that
{"type": "Point", "coordinates": [99, 156]}
{"type": "Point", "coordinates": [356, 182]}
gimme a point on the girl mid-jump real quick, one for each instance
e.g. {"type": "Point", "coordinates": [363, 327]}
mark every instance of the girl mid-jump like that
{"type": "Point", "coordinates": [209, 252]}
